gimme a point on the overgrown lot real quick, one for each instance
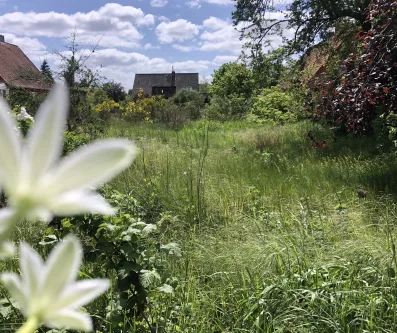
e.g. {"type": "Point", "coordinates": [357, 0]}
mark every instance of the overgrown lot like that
{"type": "Point", "coordinates": [274, 236]}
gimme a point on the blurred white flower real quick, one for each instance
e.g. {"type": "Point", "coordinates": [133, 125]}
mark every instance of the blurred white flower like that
{"type": "Point", "coordinates": [6, 225]}
{"type": "Point", "coordinates": [47, 293]}
{"type": "Point", "coordinates": [23, 115]}
{"type": "Point", "coordinates": [36, 184]}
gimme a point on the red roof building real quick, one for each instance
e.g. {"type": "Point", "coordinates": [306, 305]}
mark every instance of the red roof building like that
{"type": "Point", "coordinates": [16, 70]}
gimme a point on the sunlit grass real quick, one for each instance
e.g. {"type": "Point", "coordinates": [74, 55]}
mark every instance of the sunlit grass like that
{"type": "Point", "coordinates": [275, 237]}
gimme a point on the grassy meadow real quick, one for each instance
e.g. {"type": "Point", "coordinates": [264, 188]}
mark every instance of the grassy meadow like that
{"type": "Point", "coordinates": [273, 233]}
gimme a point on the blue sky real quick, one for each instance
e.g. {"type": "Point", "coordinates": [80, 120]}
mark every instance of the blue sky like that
{"type": "Point", "coordinates": [135, 36]}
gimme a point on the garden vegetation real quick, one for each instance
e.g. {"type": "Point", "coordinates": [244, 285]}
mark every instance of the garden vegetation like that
{"type": "Point", "coordinates": [265, 202]}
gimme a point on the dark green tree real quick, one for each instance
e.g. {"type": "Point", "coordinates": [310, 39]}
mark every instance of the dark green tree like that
{"type": "Point", "coordinates": [312, 20]}
{"type": "Point", "coordinates": [46, 71]}
{"type": "Point", "coordinates": [115, 91]}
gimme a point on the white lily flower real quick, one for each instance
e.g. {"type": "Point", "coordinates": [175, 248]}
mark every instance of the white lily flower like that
{"type": "Point", "coordinates": [47, 293]}
{"type": "Point", "coordinates": [37, 185]}
{"type": "Point", "coordinates": [6, 224]}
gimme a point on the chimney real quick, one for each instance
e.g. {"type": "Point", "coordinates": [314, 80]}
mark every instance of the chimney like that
{"type": "Point", "coordinates": [173, 77]}
{"type": "Point", "coordinates": [2, 39]}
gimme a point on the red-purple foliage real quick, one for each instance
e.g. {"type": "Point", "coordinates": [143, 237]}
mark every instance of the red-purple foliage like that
{"type": "Point", "coordinates": [368, 86]}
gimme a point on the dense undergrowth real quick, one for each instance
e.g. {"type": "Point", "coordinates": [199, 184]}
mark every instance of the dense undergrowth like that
{"type": "Point", "coordinates": [274, 237]}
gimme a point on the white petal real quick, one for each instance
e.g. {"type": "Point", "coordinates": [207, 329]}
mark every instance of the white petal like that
{"type": "Point", "coordinates": [70, 319]}
{"type": "Point", "coordinates": [40, 213]}
{"type": "Point", "coordinates": [7, 223]}
{"type": "Point", "coordinates": [81, 293]}
{"type": "Point", "coordinates": [31, 269]}
{"type": "Point", "coordinates": [10, 147]}
{"type": "Point", "coordinates": [7, 220]}
{"type": "Point", "coordinates": [14, 286]}
{"type": "Point", "coordinates": [80, 202]}
{"type": "Point", "coordinates": [7, 250]}
{"type": "Point", "coordinates": [92, 166]}
{"type": "Point", "coordinates": [46, 137]}
{"type": "Point", "coordinates": [61, 267]}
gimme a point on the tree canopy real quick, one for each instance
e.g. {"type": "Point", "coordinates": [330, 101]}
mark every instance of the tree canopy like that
{"type": "Point", "coordinates": [232, 78]}
{"type": "Point", "coordinates": [312, 20]}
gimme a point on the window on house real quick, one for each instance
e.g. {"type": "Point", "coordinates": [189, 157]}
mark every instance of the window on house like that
{"type": "Point", "coordinates": [189, 88]}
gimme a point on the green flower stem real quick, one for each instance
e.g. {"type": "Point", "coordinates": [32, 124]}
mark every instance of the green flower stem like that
{"type": "Point", "coordinates": [30, 326]}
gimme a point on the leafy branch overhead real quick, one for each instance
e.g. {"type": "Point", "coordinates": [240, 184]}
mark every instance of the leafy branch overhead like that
{"type": "Point", "coordinates": [310, 20]}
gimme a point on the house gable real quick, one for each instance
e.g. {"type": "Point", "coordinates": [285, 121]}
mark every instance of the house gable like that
{"type": "Point", "coordinates": [17, 70]}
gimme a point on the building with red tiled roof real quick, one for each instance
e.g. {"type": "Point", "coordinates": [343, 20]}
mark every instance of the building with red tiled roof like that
{"type": "Point", "coordinates": [16, 70]}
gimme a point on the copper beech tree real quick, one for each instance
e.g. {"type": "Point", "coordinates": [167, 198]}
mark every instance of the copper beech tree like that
{"type": "Point", "coordinates": [367, 87]}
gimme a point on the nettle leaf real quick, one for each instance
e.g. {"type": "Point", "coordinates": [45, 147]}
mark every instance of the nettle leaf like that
{"type": "Point", "coordinates": [138, 224]}
{"type": "Point", "coordinates": [149, 277]}
{"type": "Point", "coordinates": [148, 229]}
{"type": "Point", "coordinates": [107, 227]}
{"type": "Point", "coordinates": [50, 239]}
{"type": "Point", "coordinates": [166, 288]}
{"type": "Point", "coordinates": [172, 249]}
{"type": "Point", "coordinates": [130, 251]}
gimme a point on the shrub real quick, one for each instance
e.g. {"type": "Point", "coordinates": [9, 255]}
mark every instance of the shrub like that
{"type": "Point", "coordinates": [172, 114]}
{"type": "Point", "coordinates": [192, 101]}
{"type": "Point", "coordinates": [107, 108]}
{"type": "Point", "coordinates": [20, 97]}
{"type": "Point", "coordinates": [274, 106]}
{"type": "Point", "coordinates": [96, 96]}
{"type": "Point", "coordinates": [228, 108]}
{"type": "Point", "coordinates": [73, 140]}
{"type": "Point", "coordinates": [128, 250]}
{"type": "Point", "coordinates": [135, 111]}
{"type": "Point", "coordinates": [188, 95]}
{"type": "Point", "coordinates": [80, 112]}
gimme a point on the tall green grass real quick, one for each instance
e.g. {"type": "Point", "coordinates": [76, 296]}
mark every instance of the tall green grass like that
{"type": "Point", "coordinates": [275, 237]}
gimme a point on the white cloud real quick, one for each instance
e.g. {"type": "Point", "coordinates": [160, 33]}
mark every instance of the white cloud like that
{"type": "Point", "coordinates": [193, 4]}
{"type": "Point", "coordinates": [206, 79]}
{"type": "Point", "coordinates": [183, 48]}
{"type": "Point", "coordinates": [196, 3]}
{"type": "Point", "coordinates": [215, 23]}
{"type": "Point", "coordinates": [149, 46]}
{"type": "Point", "coordinates": [117, 24]}
{"type": "Point", "coordinates": [220, 35]}
{"type": "Point", "coordinates": [158, 3]}
{"type": "Point", "coordinates": [179, 31]}
{"type": "Point", "coordinates": [220, 60]}
{"type": "Point", "coordinates": [163, 18]}
{"type": "Point", "coordinates": [220, 2]}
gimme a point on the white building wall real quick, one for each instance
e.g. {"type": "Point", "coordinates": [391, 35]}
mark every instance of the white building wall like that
{"type": "Point", "coordinates": [4, 91]}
